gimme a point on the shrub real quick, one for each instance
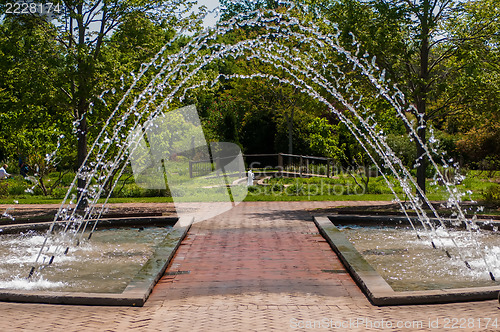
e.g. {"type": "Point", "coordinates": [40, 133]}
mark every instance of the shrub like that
{"type": "Point", "coordinates": [492, 195]}
{"type": "Point", "coordinates": [4, 188]}
{"type": "Point", "coordinates": [296, 189]}
{"type": "Point", "coordinates": [254, 189]}
{"type": "Point", "coordinates": [403, 147]}
{"type": "Point", "coordinates": [154, 193]}
{"type": "Point", "coordinates": [376, 188]}
{"type": "Point", "coordinates": [16, 189]}
{"type": "Point", "coordinates": [60, 192]}
{"type": "Point", "coordinates": [128, 190]}
{"type": "Point", "coordinates": [37, 191]}
{"type": "Point", "coordinates": [67, 179]}
{"type": "Point", "coordinates": [277, 187]}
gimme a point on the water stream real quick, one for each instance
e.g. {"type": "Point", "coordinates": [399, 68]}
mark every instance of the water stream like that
{"type": "Point", "coordinates": [408, 264]}
{"type": "Point", "coordinates": [107, 263]}
{"type": "Point", "coordinates": [309, 58]}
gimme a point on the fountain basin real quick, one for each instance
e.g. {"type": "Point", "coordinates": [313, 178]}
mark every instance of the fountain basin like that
{"type": "Point", "coordinates": [376, 288]}
{"type": "Point", "coordinates": [135, 293]}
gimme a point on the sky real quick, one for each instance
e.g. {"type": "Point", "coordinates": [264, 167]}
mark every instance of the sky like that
{"type": "Point", "coordinates": [211, 4]}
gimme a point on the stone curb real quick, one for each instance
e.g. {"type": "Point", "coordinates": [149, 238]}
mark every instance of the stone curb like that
{"type": "Point", "coordinates": [380, 220]}
{"type": "Point", "coordinates": [103, 223]}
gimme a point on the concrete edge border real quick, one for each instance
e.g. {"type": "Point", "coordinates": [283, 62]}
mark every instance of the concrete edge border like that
{"type": "Point", "coordinates": [138, 290]}
{"type": "Point", "coordinates": [382, 220]}
{"type": "Point", "coordinates": [378, 290]}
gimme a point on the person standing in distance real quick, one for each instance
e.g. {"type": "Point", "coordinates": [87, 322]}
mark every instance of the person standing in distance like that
{"type": "Point", "coordinates": [3, 172]}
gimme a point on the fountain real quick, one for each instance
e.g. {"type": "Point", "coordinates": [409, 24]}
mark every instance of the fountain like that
{"type": "Point", "coordinates": [394, 267]}
{"type": "Point", "coordinates": [300, 51]}
{"type": "Point", "coordinates": [104, 265]}
{"type": "Point", "coordinates": [409, 264]}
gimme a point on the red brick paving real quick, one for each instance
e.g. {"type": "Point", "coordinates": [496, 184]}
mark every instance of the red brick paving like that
{"type": "Point", "coordinates": [256, 256]}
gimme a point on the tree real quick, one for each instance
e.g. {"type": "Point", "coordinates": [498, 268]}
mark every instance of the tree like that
{"type": "Point", "coordinates": [232, 8]}
{"type": "Point", "coordinates": [31, 119]}
{"type": "Point", "coordinates": [84, 45]}
{"type": "Point", "coordinates": [412, 41]}
{"type": "Point", "coordinates": [83, 35]}
{"type": "Point", "coordinates": [269, 117]}
{"type": "Point", "coordinates": [475, 89]}
{"type": "Point", "coordinates": [324, 139]}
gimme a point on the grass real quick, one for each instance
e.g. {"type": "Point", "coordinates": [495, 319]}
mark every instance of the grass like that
{"type": "Point", "coordinates": [340, 188]}
{"type": "Point", "coordinates": [364, 197]}
{"type": "Point", "coordinates": [361, 197]}
{"type": "Point", "coordinates": [30, 200]}
{"type": "Point", "coordinates": [249, 198]}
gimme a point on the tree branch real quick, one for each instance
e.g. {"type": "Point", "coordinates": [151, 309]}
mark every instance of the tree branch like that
{"type": "Point", "coordinates": [97, 4]}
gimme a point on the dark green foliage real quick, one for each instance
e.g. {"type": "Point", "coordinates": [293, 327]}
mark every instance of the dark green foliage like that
{"type": "Point", "coordinates": [47, 82]}
{"type": "Point", "coordinates": [492, 195]}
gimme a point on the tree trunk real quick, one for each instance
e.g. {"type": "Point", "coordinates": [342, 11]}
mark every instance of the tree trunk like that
{"type": "Point", "coordinates": [422, 162]}
{"type": "Point", "coordinates": [421, 97]}
{"type": "Point", "coordinates": [81, 155]}
{"type": "Point", "coordinates": [42, 186]}
{"type": "Point", "coordinates": [289, 120]}
{"type": "Point", "coordinates": [84, 73]}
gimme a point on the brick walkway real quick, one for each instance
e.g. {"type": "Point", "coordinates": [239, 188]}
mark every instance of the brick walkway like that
{"type": "Point", "coordinates": [259, 267]}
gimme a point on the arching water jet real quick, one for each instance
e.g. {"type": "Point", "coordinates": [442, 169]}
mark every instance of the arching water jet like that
{"type": "Point", "coordinates": [300, 51]}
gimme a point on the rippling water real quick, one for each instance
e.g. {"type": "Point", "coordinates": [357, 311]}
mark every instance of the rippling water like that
{"type": "Point", "coordinates": [106, 263]}
{"type": "Point", "coordinates": [407, 263]}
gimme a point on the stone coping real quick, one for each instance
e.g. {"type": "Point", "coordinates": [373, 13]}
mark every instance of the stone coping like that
{"type": "Point", "coordinates": [381, 220]}
{"type": "Point", "coordinates": [103, 223]}
{"type": "Point", "coordinates": [377, 290]}
{"type": "Point", "coordinates": [137, 291]}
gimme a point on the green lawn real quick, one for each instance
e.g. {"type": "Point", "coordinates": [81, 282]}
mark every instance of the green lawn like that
{"type": "Point", "coordinates": [341, 188]}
